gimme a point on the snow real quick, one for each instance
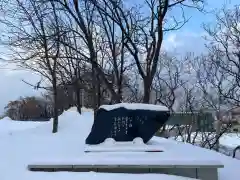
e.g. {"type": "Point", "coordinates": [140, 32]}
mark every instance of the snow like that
{"type": "Point", "coordinates": [95, 176]}
{"type": "Point", "coordinates": [134, 106]}
{"type": "Point", "coordinates": [9, 126]}
{"type": "Point", "coordinates": [231, 140]}
{"type": "Point", "coordinates": [123, 148]}
{"type": "Point", "coordinates": [228, 141]}
{"type": "Point", "coordinates": [110, 145]}
{"type": "Point", "coordinates": [25, 145]}
{"type": "Point", "coordinates": [131, 158]}
{"type": "Point", "coordinates": [231, 166]}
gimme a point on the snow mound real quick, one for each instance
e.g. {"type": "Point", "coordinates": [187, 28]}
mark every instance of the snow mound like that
{"type": "Point", "coordinates": [6, 119]}
{"type": "Point", "coordinates": [230, 139]}
{"type": "Point", "coordinates": [9, 126]}
{"type": "Point", "coordinates": [135, 106]}
{"type": "Point", "coordinates": [138, 141]}
{"type": "Point", "coordinates": [109, 142]}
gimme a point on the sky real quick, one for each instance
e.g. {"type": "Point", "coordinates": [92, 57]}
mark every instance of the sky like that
{"type": "Point", "coordinates": [187, 39]}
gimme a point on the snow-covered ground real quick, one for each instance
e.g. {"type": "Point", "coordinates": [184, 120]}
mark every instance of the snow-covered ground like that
{"type": "Point", "coordinates": [231, 140]}
{"type": "Point", "coordinates": [227, 142]}
{"type": "Point", "coordinates": [8, 126]}
{"type": "Point", "coordinates": [23, 143]}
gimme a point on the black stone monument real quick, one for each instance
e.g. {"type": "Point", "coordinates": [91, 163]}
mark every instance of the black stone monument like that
{"type": "Point", "coordinates": [124, 124]}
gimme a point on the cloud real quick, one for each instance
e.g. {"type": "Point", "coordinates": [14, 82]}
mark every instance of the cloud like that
{"type": "Point", "coordinates": [172, 41]}
{"type": "Point", "coordinates": [184, 41]}
{"type": "Point", "coordinates": [12, 86]}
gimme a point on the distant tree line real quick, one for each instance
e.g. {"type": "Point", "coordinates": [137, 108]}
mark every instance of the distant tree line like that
{"type": "Point", "coordinates": [42, 108]}
{"type": "Point", "coordinates": [28, 108]}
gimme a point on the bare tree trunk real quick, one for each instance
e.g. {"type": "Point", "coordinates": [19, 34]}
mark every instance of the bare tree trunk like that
{"type": "Point", "coordinates": [99, 97]}
{"type": "Point", "coordinates": [55, 115]}
{"type": "Point", "coordinates": [78, 100]}
{"type": "Point", "coordinates": [218, 131]}
{"type": "Point", "coordinates": [94, 90]}
{"type": "Point", "coordinates": [147, 90]}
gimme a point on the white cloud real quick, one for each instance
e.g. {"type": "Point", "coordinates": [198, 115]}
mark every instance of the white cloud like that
{"type": "Point", "coordinates": [184, 41]}
{"type": "Point", "coordinates": [12, 86]}
{"type": "Point", "coordinates": [172, 41]}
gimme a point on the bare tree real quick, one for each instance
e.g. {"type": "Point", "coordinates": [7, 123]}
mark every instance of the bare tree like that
{"type": "Point", "coordinates": [224, 60]}
{"type": "Point", "coordinates": [224, 51]}
{"type": "Point", "coordinates": [205, 104]}
{"type": "Point", "coordinates": [72, 65]}
{"type": "Point", "coordinates": [83, 14]}
{"type": "Point", "coordinates": [144, 34]}
{"type": "Point", "coordinates": [168, 81]}
{"type": "Point", "coordinates": [34, 40]}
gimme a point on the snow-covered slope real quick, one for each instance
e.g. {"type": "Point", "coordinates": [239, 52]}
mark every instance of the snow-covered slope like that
{"type": "Point", "coordinates": [228, 141]}
{"type": "Point", "coordinates": [231, 140]}
{"type": "Point", "coordinates": [18, 148]}
{"type": "Point", "coordinates": [8, 126]}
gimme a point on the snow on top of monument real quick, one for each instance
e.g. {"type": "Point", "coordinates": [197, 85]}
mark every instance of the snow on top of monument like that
{"type": "Point", "coordinates": [135, 106]}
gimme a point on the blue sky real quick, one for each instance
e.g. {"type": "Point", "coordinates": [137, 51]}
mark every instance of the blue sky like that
{"type": "Point", "coordinates": [188, 39]}
{"type": "Point", "coordinates": [190, 36]}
